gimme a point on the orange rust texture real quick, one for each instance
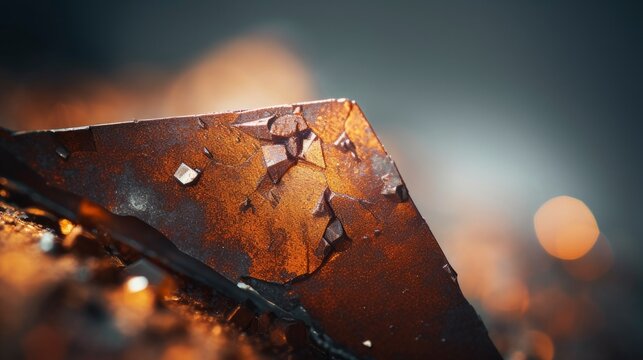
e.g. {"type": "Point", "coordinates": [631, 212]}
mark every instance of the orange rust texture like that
{"type": "Point", "coordinates": [386, 283]}
{"type": "Point", "coordinates": [274, 240]}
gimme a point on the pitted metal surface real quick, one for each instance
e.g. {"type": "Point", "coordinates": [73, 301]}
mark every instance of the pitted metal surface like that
{"type": "Point", "coordinates": [303, 195]}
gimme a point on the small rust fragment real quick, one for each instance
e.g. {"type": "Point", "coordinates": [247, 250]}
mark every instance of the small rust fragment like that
{"type": "Point", "coordinates": [276, 160]}
{"type": "Point", "coordinates": [312, 150]}
{"type": "Point", "coordinates": [392, 182]}
{"type": "Point", "coordinates": [393, 185]}
{"type": "Point", "coordinates": [334, 231]}
{"type": "Point", "coordinates": [186, 175]}
{"type": "Point", "coordinates": [345, 144]}
{"type": "Point", "coordinates": [288, 125]}
{"type": "Point", "coordinates": [258, 128]}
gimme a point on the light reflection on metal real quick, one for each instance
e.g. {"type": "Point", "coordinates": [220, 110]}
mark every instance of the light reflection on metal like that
{"type": "Point", "coordinates": [348, 251]}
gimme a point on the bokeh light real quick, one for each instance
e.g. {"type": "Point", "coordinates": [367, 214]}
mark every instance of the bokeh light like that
{"type": "Point", "coordinates": [136, 284]}
{"type": "Point", "coordinates": [249, 71]}
{"type": "Point", "coordinates": [244, 73]}
{"type": "Point", "coordinates": [566, 227]}
{"type": "Point", "coordinates": [66, 226]}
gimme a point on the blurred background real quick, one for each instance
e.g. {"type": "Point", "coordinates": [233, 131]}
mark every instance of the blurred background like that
{"type": "Point", "coordinates": [516, 125]}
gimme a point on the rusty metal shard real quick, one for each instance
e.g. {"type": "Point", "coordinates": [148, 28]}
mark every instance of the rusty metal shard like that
{"type": "Point", "coordinates": [388, 285]}
{"type": "Point", "coordinates": [101, 235]}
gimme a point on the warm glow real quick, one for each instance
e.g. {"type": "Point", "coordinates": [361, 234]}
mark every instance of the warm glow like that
{"type": "Point", "coordinates": [541, 345]}
{"type": "Point", "coordinates": [247, 72]}
{"type": "Point", "coordinates": [242, 73]}
{"type": "Point", "coordinates": [217, 330]}
{"type": "Point", "coordinates": [506, 297]}
{"type": "Point", "coordinates": [488, 266]}
{"type": "Point", "coordinates": [180, 351]}
{"type": "Point", "coordinates": [66, 226]}
{"type": "Point", "coordinates": [594, 264]}
{"type": "Point", "coordinates": [566, 227]}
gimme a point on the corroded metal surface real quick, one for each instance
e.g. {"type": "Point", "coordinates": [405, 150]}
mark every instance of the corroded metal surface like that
{"type": "Point", "coordinates": [302, 195]}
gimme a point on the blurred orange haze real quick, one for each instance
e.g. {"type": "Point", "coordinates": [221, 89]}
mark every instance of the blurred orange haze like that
{"type": "Point", "coordinates": [246, 72]}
